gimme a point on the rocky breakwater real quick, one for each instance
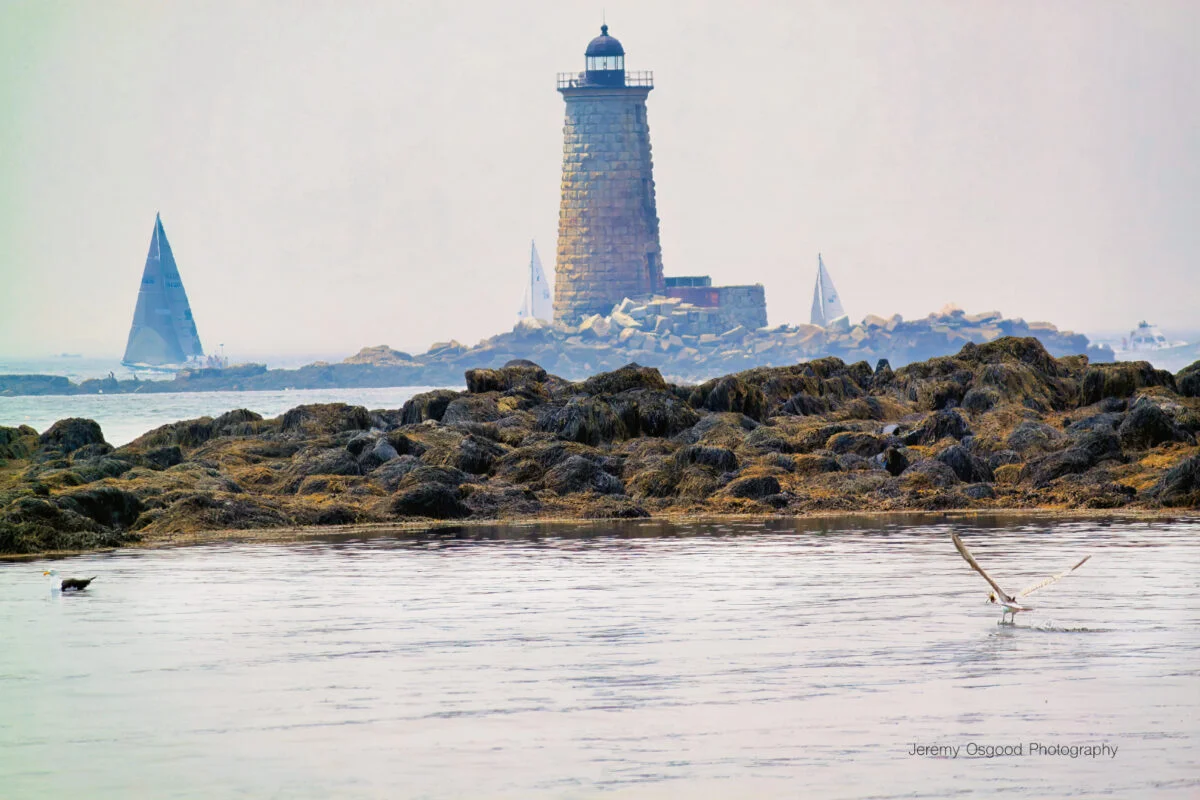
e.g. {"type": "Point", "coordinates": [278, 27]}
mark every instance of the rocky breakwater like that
{"type": "Point", "coordinates": [1002, 425]}
{"type": "Point", "coordinates": [694, 343]}
{"type": "Point", "coordinates": [684, 341]}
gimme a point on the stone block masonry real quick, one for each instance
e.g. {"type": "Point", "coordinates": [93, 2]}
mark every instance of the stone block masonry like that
{"type": "Point", "coordinates": [608, 243]}
{"type": "Point", "coordinates": [743, 305]}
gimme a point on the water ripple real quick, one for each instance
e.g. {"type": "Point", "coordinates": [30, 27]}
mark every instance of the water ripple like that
{"type": "Point", "coordinates": [747, 658]}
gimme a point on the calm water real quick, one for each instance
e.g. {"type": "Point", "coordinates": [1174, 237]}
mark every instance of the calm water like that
{"type": "Point", "coordinates": [124, 417]}
{"type": "Point", "coordinates": [642, 660]}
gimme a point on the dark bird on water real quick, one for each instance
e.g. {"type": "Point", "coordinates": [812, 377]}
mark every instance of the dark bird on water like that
{"type": "Point", "coordinates": [67, 584]}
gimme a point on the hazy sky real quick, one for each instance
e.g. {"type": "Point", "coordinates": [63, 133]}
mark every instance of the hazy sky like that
{"type": "Point", "coordinates": [340, 174]}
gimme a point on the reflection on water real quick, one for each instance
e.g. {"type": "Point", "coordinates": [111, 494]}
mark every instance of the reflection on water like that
{"type": "Point", "coordinates": [645, 659]}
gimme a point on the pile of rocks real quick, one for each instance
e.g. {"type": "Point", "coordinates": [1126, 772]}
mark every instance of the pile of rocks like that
{"type": "Point", "coordinates": [678, 338]}
{"type": "Point", "coordinates": [1002, 425]}
{"type": "Point", "coordinates": [686, 342]}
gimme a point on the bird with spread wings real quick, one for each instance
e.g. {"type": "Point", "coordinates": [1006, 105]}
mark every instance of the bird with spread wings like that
{"type": "Point", "coordinates": [1010, 602]}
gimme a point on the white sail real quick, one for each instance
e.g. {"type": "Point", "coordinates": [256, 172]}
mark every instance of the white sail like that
{"type": "Point", "coordinates": [537, 302]}
{"type": "Point", "coordinates": [827, 304]}
{"type": "Point", "coordinates": [163, 330]}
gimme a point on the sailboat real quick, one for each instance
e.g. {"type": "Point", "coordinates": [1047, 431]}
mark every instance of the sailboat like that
{"type": "Point", "coordinates": [163, 335]}
{"type": "Point", "coordinates": [536, 303]}
{"type": "Point", "coordinates": [827, 304]}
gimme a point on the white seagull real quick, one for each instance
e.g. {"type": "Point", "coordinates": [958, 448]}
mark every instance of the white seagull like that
{"type": "Point", "coordinates": [1009, 602]}
{"type": "Point", "coordinates": [66, 584]}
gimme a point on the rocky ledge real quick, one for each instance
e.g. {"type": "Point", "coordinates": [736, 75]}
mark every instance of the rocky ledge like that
{"type": "Point", "coordinates": [1001, 425]}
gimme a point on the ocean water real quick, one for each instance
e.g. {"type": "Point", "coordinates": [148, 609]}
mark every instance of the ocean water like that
{"type": "Point", "coordinates": [124, 417]}
{"type": "Point", "coordinates": [645, 659]}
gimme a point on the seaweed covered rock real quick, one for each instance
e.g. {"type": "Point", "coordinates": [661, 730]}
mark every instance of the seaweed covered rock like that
{"type": "Point", "coordinates": [528, 463]}
{"type": "Point", "coordinates": [96, 469]}
{"type": "Point", "coordinates": [1180, 485]}
{"type": "Point", "coordinates": [473, 455]}
{"type": "Point", "coordinates": [433, 500]}
{"type": "Point", "coordinates": [1121, 379]}
{"type": "Point", "coordinates": [502, 502]}
{"type": "Point", "coordinates": [610, 507]}
{"type": "Point", "coordinates": [1188, 380]}
{"type": "Point", "coordinates": [893, 459]}
{"type": "Point", "coordinates": [1072, 461]}
{"type": "Point", "coordinates": [163, 457]}
{"type": "Point", "coordinates": [755, 487]}
{"type": "Point", "coordinates": [373, 452]}
{"type": "Point", "coordinates": [68, 435]}
{"type": "Point", "coordinates": [930, 473]}
{"type": "Point", "coordinates": [427, 405]}
{"type": "Point", "coordinates": [472, 409]}
{"type": "Point", "coordinates": [1008, 349]}
{"type": "Point", "coordinates": [16, 443]}
{"type": "Point", "coordinates": [579, 474]}
{"type": "Point", "coordinates": [980, 400]}
{"type": "Point", "coordinates": [627, 378]}
{"type": "Point", "coordinates": [968, 467]}
{"type": "Point", "coordinates": [730, 394]}
{"type": "Point", "coordinates": [857, 442]}
{"type": "Point", "coordinates": [405, 445]}
{"type": "Point", "coordinates": [325, 419]}
{"type": "Point", "coordinates": [324, 461]}
{"type": "Point", "coordinates": [1148, 426]}
{"type": "Point", "coordinates": [205, 511]}
{"type": "Point", "coordinates": [389, 475]}
{"type": "Point", "coordinates": [508, 377]}
{"type": "Point", "coordinates": [192, 433]}
{"type": "Point", "coordinates": [38, 525]}
{"type": "Point", "coordinates": [1100, 444]}
{"type": "Point", "coordinates": [1036, 436]}
{"type": "Point", "coordinates": [721, 459]}
{"type": "Point", "coordinates": [939, 425]}
{"type": "Point", "coordinates": [765, 439]}
{"type": "Point", "coordinates": [587, 420]}
{"type": "Point", "coordinates": [107, 505]}
{"type": "Point", "coordinates": [522, 442]}
{"type": "Point", "coordinates": [447, 476]}
{"type": "Point", "coordinates": [646, 412]}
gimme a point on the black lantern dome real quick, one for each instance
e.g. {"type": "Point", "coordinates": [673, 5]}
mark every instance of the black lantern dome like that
{"type": "Point", "coordinates": [604, 45]}
{"type": "Point", "coordinates": [605, 60]}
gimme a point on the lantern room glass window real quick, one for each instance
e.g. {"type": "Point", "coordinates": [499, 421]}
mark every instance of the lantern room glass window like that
{"type": "Point", "coordinates": [605, 63]}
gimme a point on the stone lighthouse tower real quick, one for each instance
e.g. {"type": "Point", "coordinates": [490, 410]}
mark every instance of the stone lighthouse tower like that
{"type": "Point", "coordinates": [608, 244]}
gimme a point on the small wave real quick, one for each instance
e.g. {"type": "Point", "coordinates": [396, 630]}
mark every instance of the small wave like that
{"type": "Point", "coordinates": [1050, 627]}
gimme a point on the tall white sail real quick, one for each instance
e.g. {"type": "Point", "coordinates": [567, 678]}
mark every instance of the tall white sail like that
{"type": "Point", "coordinates": [163, 330]}
{"type": "Point", "coordinates": [827, 304]}
{"type": "Point", "coordinates": [537, 302]}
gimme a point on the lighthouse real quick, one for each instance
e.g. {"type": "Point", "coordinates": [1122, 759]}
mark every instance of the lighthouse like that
{"type": "Point", "coordinates": [608, 245]}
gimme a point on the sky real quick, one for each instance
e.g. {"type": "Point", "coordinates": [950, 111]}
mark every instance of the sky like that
{"type": "Point", "coordinates": [333, 175]}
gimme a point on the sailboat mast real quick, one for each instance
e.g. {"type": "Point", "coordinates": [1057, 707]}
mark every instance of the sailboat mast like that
{"type": "Point", "coordinates": [821, 285]}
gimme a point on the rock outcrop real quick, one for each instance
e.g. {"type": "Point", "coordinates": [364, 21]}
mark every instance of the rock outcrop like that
{"type": "Point", "coordinates": [520, 442]}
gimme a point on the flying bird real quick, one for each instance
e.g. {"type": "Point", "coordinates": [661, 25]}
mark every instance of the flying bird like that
{"type": "Point", "coordinates": [67, 584]}
{"type": "Point", "coordinates": [1010, 602]}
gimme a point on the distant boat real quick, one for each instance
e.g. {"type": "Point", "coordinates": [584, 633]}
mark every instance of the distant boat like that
{"type": "Point", "coordinates": [163, 335]}
{"type": "Point", "coordinates": [536, 303]}
{"type": "Point", "coordinates": [827, 304]}
{"type": "Point", "coordinates": [1147, 340]}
